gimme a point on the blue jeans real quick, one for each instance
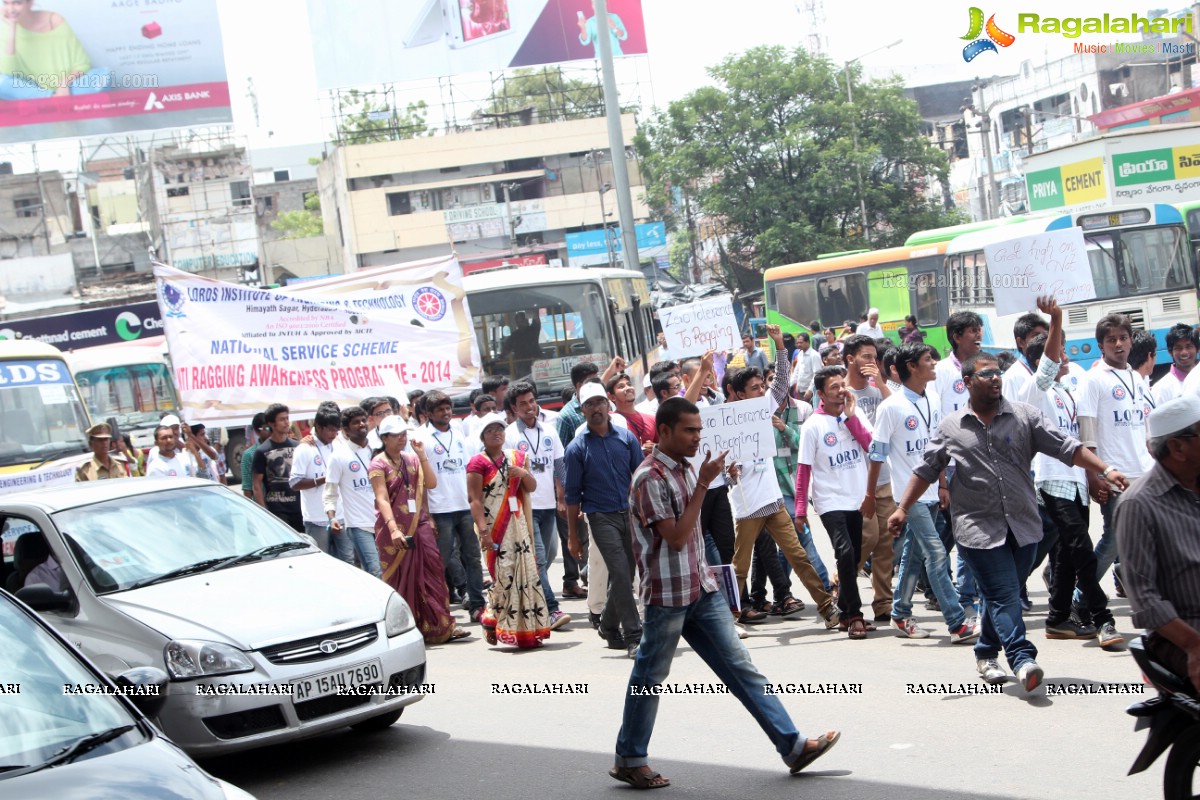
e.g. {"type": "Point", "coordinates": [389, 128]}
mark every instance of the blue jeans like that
{"type": "Point", "coordinates": [545, 541]}
{"type": "Point", "coordinates": [459, 547]}
{"type": "Point", "coordinates": [360, 541]}
{"type": "Point", "coordinates": [999, 573]}
{"type": "Point", "coordinates": [707, 626]}
{"type": "Point", "coordinates": [320, 533]}
{"type": "Point", "coordinates": [98, 79]}
{"type": "Point", "coordinates": [923, 547]}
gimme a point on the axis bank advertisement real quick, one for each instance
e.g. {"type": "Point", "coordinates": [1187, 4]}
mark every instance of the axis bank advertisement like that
{"type": "Point", "coordinates": [386, 41]}
{"type": "Point", "coordinates": [73, 68]}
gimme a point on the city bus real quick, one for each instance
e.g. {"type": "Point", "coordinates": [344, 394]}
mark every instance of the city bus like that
{"type": "Point", "coordinates": [938, 235]}
{"type": "Point", "coordinates": [538, 322]}
{"type": "Point", "coordinates": [899, 281]}
{"type": "Point", "coordinates": [1141, 265]}
{"type": "Point", "coordinates": [1191, 217]}
{"type": "Point", "coordinates": [42, 418]}
{"type": "Point", "coordinates": [128, 383]}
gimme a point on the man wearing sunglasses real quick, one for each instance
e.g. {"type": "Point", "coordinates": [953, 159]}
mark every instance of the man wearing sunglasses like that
{"type": "Point", "coordinates": [996, 521]}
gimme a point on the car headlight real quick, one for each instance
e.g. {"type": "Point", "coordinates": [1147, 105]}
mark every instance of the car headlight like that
{"type": "Point", "coordinates": [398, 618]}
{"type": "Point", "coordinates": [189, 658]}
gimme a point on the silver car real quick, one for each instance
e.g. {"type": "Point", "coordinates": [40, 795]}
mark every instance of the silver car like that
{"type": "Point", "coordinates": [264, 637]}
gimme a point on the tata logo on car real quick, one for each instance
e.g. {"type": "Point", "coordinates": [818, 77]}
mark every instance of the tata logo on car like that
{"type": "Point", "coordinates": [328, 646]}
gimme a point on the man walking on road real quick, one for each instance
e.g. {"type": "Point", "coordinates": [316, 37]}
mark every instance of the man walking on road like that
{"type": "Point", "coordinates": [682, 600]}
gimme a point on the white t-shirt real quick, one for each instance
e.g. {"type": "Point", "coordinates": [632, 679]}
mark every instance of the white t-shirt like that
{"type": "Point", "coordinates": [839, 465]}
{"type": "Point", "coordinates": [757, 487]}
{"type": "Point", "coordinates": [542, 448]}
{"type": "Point", "coordinates": [950, 386]}
{"type": "Point", "coordinates": [868, 400]}
{"type": "Point", "coordinates": [310, 461]}
{"type": "Point", "coordinates": [905, 426]}
{"type": "Point", "coordinates": [177, 466]}
{"type": "Point", "coordinates": [1015, 378]}
{"type": "Point", "coordinates": [1115, 398]}
{"type": "Point", "coordinates": [1168, 387]}
{"type": "Point", "coordinates": [874, 332]}
{"type": "Point", "coordinates": [1060, 404]}
{"type": "Point", "coordinates": [347, 474]}
{"type": "Point", "coordinates": [648, 407]}
{"type": "Point", "coordinates": [1192, 382]}
{"type": "Point", "coordinates": [448, 454]}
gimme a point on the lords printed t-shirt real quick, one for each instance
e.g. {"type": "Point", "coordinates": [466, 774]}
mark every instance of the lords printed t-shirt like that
{"type": "Point", "coordinates": [839, 465]}
{"type": "Point", "coordinates": [1115, 398]}
{"type": "Point", "coordinates": [448, 453]}
{"type": "Point", "coordinates": [542, 448]}
{"type": "Point", "coordinates": [903, 427]}
{"type": "Point", "coordinates": [950, 386]}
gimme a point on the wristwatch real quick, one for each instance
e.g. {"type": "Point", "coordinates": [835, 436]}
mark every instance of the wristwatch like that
{"type": "Point", "coordinates": [1107, 470]}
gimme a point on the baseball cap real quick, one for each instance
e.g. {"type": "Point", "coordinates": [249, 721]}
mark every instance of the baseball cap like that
{"type": "Point", "coordinates": [392, 424]}
{"type": "Point", "coordinates": [590, 391]}
{"type": "Point", "coordinates": [169, 420]}
{"type": "Point", "coordinates": [488, 420]}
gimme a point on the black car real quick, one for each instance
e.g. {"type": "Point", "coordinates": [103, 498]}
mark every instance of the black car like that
{"type": "Point", "coordinates": [67, 731]}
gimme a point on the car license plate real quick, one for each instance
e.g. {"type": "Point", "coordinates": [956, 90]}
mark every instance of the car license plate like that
{"type": "Point", "coordinates": [327, 683]}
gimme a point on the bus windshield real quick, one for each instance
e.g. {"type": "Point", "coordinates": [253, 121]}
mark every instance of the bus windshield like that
{"type": "Point", "coordinates": [540, 331]}
{"type": "Point", "coordinates": [137, 395]}
{"type": "Point", "coordinates": [41, 415]}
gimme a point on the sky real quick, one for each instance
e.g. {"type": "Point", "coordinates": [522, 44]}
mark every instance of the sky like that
{"type": "Point", "coordinates": [268, 41]}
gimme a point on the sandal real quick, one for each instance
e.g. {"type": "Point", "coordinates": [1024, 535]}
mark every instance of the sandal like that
{"type": "Point", "coordinates": [858, 629]}
{"type": "Point", "coordinates": [790, 607]}
{"type": "Point", "coordinates": [489, 635]}
{"type": "Point", "coordinates": [842, 626]}
{"type": "Point", "coordinates": [824, 743]}
{"type": "Point", "coordinates": [751, 617]}
{"type": "Point", "coordinates": [459, 634]}
{"type": "Point", "coordinates": [638, 779]}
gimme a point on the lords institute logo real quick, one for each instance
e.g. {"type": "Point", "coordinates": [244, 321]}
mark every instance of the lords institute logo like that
{"type": "Point", "coordinates": [994, 37]}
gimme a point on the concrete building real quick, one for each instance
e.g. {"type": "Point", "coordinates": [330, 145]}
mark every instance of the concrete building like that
{"type": "Point", "coordinates": [286, 183]}
{"type": "Point", "coordinates": [489, 195]}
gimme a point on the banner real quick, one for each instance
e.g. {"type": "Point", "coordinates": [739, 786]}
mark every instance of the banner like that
{"type": "Point", "coordinates": [743, 428]}
{"type": "Point", "coordinates": [1054, 263]}
{"type": "Point", "coordinates": [88, 328]}
{"type": "Point", "coordinates": [135, 66]}
{"type": "Point", "coordinates": [589, 248]}
{"type": "Point", "coordinates": [695, 328]}
{"type": "Point", "coordinates": [58, 473]}
{"type": "Point", "coordinates": [235, 349]}
{"type": "Point", "coordinates": [384, 41]}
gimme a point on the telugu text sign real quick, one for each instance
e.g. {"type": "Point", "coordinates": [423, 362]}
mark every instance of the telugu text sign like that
{"type": "Point", "coordinates": [695, 328]}
{"type": "Point", "coordinates": [235, 350]}
{"type": "Point", "coordinates": [1053, 263]}
{"type": "Point", "coordinates": [743, 428]}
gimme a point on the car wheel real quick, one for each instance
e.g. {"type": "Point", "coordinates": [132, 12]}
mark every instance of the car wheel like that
{"type": "Point", "coordinates": [379, 723]}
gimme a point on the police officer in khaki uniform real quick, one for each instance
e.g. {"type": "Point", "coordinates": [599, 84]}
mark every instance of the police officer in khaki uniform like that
{"type": "Point", "coordinates": [103, 464]}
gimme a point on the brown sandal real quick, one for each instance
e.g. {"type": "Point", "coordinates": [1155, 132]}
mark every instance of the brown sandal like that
{"type": "Point", "coordinates": [638, 779]}
{"type": "Point", "coordinates": [459, 634]}
{"type": "Point", "coordinates": [858, 629]}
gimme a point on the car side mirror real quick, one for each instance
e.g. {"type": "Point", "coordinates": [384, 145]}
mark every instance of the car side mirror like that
{"type": "Point", "coordinates": [146, 687]}
{"type": "Point", "coordinates": [41, 597]}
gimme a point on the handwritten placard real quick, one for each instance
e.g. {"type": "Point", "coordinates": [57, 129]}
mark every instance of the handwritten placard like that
{"type": "Point", "coordinates": [743, 428]}
{"type": "Point", "coordinates": [697, 327]}
{"type": "Point", "coordinates": [1053, 263]}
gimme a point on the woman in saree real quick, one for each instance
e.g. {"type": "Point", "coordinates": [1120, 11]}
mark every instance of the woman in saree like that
{"type": "Point", "coordinates": [404, 534]}
{"type": "Point", "coordinates": [498, 486]}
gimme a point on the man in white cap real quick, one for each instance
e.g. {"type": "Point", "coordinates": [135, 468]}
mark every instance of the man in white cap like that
{"type": "Point", "coordinates": [1157, 522]}
{"type": "Point", "coordinates": [184, 447]}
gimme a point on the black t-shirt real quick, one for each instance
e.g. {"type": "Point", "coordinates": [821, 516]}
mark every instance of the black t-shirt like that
{"type": "Point", "coordinates": [273, 460]}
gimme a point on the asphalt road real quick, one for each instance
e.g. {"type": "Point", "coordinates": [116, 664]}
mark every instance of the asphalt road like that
{"type": "Point", "coordinates": [898, 743]}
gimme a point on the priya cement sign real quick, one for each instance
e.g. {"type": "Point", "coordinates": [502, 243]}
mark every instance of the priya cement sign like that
{"type": "Point", "coordinates": [1076, 184]}
{"type": "Point", "coordinates": [1164, 175]}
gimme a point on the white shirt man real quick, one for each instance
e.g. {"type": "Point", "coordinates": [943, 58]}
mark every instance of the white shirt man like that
{"type": "Point", "coordinates": [448, 452]}
{"type": "Point", "coordinates": [1116, 399]}
{"type": "Point", "coordinates": [177, 466]}
{"type": "Point", "coordinates": [950, 386]}
{"type": "Point", "coordinates": [347, 484]}
{"type": "Point", "coordinates": [309, 464]}
{"type": "Point", "coordinates": [871, 327]}
{"type": "Point", "coordinates": [805, 364]}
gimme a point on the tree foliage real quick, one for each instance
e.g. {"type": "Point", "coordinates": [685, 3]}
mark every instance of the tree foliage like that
{"type": "Point", "coordinates": [301, 224]}
{"type": "Point", "coordinates": [770, 151]}
{"type": "Point", "coordinates": [554, 94]}
{"type": "Point", "coordinates": [370, 116]}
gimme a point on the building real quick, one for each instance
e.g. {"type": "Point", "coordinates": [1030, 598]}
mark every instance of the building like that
{"type": "Point", "coordinates": [491, 195]}
{"type": "Point", "coordinates": [285, 183]}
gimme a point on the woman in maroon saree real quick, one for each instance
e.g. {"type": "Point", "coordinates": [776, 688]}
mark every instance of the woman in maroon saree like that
{"type": "Point", "coordinates": [498, 486]}
{"type": "Point", "coordinates": [415, 571]}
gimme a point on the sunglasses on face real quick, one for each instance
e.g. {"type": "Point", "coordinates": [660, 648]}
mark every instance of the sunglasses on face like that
{"type": "Point", "coordinates": [988, 374]}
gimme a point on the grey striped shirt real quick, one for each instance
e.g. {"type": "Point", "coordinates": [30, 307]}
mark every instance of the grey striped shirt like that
{"type": "Point", "coordinates": [1158, 533]}
{"type": "Point", "coordinates": [992, 491]}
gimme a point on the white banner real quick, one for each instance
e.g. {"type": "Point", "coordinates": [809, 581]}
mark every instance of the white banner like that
{"type": "Point", "coordinates": [1053, 263]}
{"type": "Point", "coordinates": [235, 349]}
{"type": "Point", "coordinates": [743, 428]}
{"type": "Point", "coordinates": [55, 474]}
{"type": "Point", "coordinates": [704, 325]}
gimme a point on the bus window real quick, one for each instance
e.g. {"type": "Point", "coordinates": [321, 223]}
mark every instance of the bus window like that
{"type": "Point", "coordinates": [841, 298]}
{"type": "Point", "coordinates": [1155, 258]}
{"type": "Point", "coordinates": [889, 293]}
{"type": "Point", "coordinates": [925, 298]}
{"type": "Point", "coordinates": [137, 395]}
{"type": "Point", "coordinates": [1103, 259]}
{"type": "Point", "coordinates": [41, 415]}
{"type": "Point", "coordinates": [969, 282]}
{"type": "Point", "coordinates": [797, 301]}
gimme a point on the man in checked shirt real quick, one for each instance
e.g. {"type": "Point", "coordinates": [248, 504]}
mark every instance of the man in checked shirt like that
{"type": "Point", "coordinates": [682, 599]}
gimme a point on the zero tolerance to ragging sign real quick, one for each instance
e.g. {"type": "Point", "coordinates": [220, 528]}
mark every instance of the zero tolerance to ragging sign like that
{"type": "Point", "coordinates": [236, 349]}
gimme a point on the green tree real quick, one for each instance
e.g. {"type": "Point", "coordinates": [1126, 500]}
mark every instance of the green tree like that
{"type": "Point", "coordinates": [366, 117]}
{"type": "Point", "coordinates": [301, 224]}
{"type": "Point", "coordinates": [554, 95]}
{"type": "Point", "coordinates": [770, 150]}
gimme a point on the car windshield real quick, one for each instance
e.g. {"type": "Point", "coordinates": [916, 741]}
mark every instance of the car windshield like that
{"type": "Point", "coordinates": [38, 716]}
{"type": "Point", "coordinates": [130, 541]}
{"type": "Point", "coordinates": [136, 395]}
{"type": "Point", "coordinates": [41, 415]}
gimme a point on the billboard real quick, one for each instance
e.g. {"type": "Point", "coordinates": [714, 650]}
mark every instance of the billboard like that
{"type": "Point", "coordinates": [384, 41]}
{"type": "Point", "coordinates": [89, 69]}
{"type": "Point", "coordinates": [89, 328]}
{"type": "Point", "coordinates": [588, 248]}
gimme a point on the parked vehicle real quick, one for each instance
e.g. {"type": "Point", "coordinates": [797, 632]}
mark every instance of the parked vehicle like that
{"type": "Point", "coordinates": [263, 636]}
{"type": "Point", "coordinates": [59, 743]}
{"type": "Point", "coordinates": [1173, 718]}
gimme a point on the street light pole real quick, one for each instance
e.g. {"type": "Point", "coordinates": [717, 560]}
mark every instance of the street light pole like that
{"type": "Point", "coordinates": [862, 201]}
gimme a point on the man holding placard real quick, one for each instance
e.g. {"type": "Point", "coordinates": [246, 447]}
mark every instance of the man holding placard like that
{"type": "Point", "coordinates": [755, 496]}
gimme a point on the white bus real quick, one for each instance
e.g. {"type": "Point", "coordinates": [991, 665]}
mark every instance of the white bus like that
{"type": "Point", "coordinates": [128, 383]}
{"type": "Point", "coordinates": [538, 322]}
